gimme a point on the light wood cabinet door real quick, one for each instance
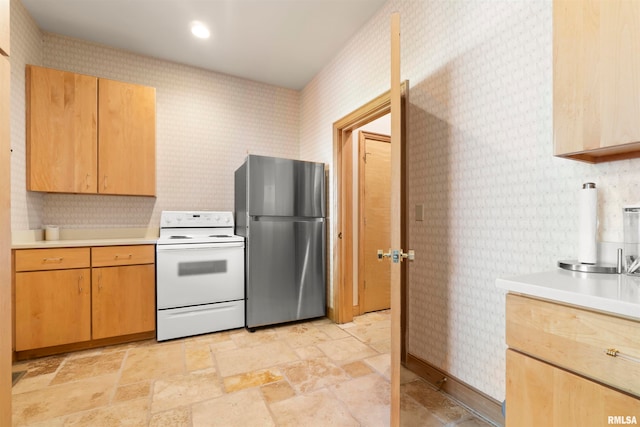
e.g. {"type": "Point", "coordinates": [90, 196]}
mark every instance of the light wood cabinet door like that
{"type": "Point", "coordinates": [127, 127]}
{"type": "Point", "coordinates": [52, 308]}
{"type": "Point", "coordinates": [123, 300]}
{"type": "Point", "coordinates": [539, 394]}
{"type": "Point", "coordinates": [596, 83]}
{"type": "Point", "coordinates": [61, 131]}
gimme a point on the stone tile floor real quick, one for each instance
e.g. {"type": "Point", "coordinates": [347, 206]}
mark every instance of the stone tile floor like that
{"type": "Point", "coordinates": [315, 373]}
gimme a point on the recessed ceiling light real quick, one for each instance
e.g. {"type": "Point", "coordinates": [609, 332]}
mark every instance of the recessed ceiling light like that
{"type": "Point", "coordinates": [199, 30]}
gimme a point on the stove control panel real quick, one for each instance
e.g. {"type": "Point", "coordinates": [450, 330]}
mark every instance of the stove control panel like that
{"type": "Point", "coordinates": [192, 219]}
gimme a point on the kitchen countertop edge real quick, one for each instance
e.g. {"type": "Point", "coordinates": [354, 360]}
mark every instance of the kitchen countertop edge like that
{"type": "Point", "coordinates": [69, 238]}
{"type": "Point", "coordinates": [578, 297]}
{"type": "Point", "coordinates": [48, 244]}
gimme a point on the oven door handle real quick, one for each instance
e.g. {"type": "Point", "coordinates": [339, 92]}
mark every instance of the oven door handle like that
{"type": "Point", "coordinates": [199, 246]}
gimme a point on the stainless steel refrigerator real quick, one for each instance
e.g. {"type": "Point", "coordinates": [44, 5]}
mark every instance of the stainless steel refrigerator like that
{"type": "Point", "coordinates": [280, 210]}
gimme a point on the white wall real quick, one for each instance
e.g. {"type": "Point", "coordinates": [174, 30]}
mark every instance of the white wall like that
{"type": "Point", "coordinates": [497, 203]}
{"type": "Point", "coordinates": [206, 124]}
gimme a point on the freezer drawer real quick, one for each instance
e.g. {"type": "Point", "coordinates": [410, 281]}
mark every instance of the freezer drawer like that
{"type": "Point", "coordinates": [286, 278]}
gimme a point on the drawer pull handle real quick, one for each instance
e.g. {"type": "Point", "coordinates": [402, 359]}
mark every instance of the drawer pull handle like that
{"type": "Point", "coordinates": [58, 260]}
{"type": "Point", "coordinates": [614, 352]}
{"type": "Point", "coordinates": [80, 284]}
{"type": "Point", "coordinates": [124, 256]}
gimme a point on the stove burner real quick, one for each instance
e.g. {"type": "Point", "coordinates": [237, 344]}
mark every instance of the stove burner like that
{"type": "Point", "coordinates": [180, 237]}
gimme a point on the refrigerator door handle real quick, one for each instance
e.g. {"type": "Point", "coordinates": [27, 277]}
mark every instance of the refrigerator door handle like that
{"type": "Point", "coordinates": [268, 218]}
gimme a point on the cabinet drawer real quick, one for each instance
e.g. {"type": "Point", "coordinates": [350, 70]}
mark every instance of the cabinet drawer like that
{"type": "Point", "coordinates": [576, 340]}
{"type": "Point", "coordinates": [52, 259]}
{"type": "Point", "coordinates": [122, 255]}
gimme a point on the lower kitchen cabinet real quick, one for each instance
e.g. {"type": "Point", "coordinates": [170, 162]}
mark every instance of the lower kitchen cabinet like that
{"type": "Point", "coordinates": [562, 369]}
{"type": "Point", "coordinates": [123, 300]}
{"type": "Point", "coordinates": [74, 298]}
{"type": "Point", "coordinates": [540, 394]}
{"type": "Point", "coordinates": [52, 308]}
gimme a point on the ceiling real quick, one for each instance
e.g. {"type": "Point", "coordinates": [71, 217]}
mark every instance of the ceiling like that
{"type": "Point", "coordinates": [279, 42]}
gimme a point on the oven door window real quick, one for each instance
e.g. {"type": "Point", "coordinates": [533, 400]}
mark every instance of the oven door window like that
{"type": "Point", "coordinates": [192, 276]}
{"type": "Point", "coordinates": [202, 267]}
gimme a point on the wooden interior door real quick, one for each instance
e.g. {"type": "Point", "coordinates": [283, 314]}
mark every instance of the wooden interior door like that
{"type": "Point", "coordinates": [395, 227]}
{"type": "Point", "coordinates": [387, 103]}
{"type": "Point", "coordinates": [374, 169]}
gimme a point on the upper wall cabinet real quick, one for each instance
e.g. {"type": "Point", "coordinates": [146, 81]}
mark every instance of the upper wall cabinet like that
{"type": "Point", "coordinates": [61, 131]}
{"type": "Point", "coordinates": [4, 27]}
{"type": "Point", "coordinates": [89, 135]}
{"type": "Point", "coordinates": [127, 138]}
{"type": "Point", "coordinates": [596, 79]}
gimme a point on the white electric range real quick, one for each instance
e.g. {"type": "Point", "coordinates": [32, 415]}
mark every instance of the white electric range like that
{"type": "Point", "coordinates": [199, 274]}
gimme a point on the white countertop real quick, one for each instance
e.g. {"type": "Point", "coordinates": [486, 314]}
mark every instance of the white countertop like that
{"type": "Point", "coordinates": [33, 239]}
{"type": "Point", "coordinates": [617, 294]}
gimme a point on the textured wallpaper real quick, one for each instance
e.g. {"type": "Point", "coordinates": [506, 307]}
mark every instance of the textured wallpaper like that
{"type": "Point", "coordinates": [206, 124]}
{"type": "Point", "coordinates": [497, 203]}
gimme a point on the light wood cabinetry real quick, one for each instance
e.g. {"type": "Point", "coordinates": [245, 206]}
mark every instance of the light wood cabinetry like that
{"type": "Point", "coordinates": [62, 136]}
{"type": "Point", "coordinates": [89, 135]}
{"type": "Point", "coordinates": [540, 394]}
{"type": "Point", "coordinates": [596, 83]}
{"type": "Point", "coordinates": [575, 339]}
{"type": "Point", "coordinates": [123, 294]}
{"type": "Point", "coordinates": [52, 298]}
{"type": "Point", "coordinates": [52, 308]}
{"type": "Point", "coordinates": [558, 370]}
{"type": "Point", "coordinates": [73, 298]}
{"type": "Point", "coordinates": [52, 259]}
{"type": "Point", "coordinates": [123, 300]}
{"type": "Point", "coordinates": [127, 132]}
{"type": "Point", "coordinates": [106, 256]}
